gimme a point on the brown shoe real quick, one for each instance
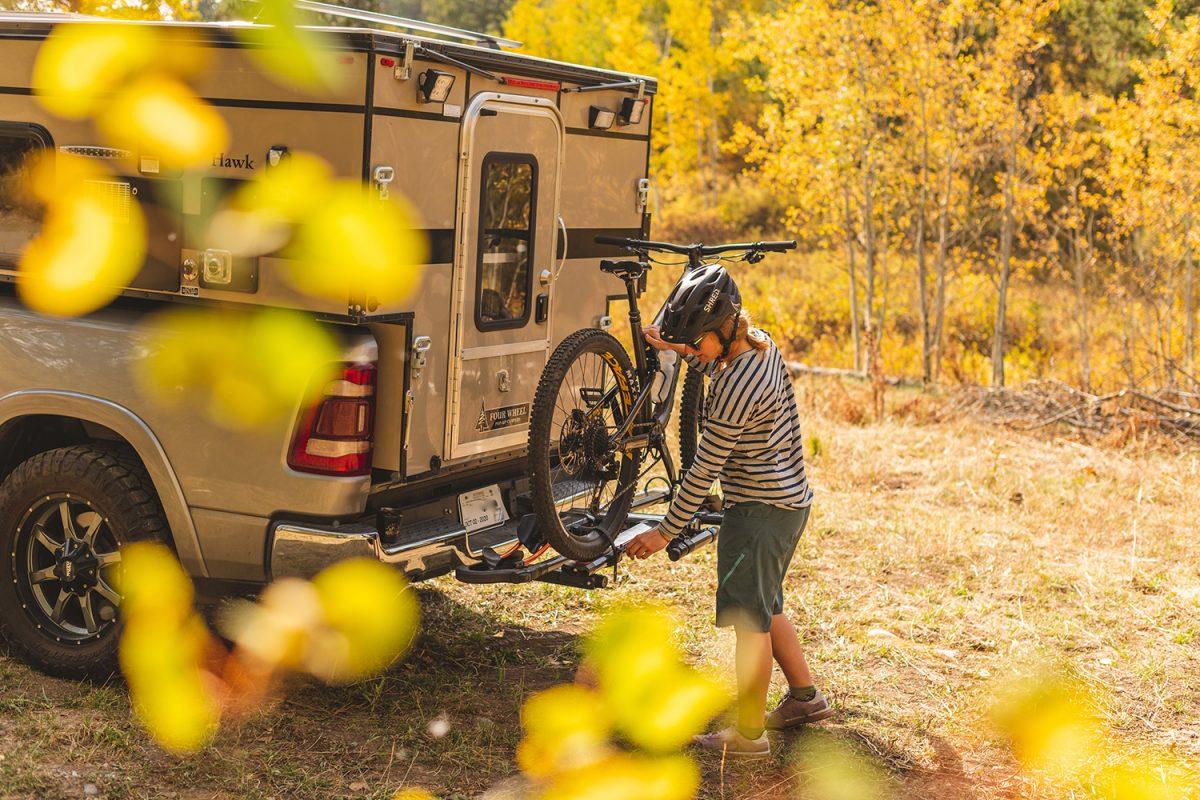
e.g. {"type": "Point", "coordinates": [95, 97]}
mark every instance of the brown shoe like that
{"type": "Point", "coordinates": [731, 743]}
{"type": "Point", "coordinates": [792, 712]}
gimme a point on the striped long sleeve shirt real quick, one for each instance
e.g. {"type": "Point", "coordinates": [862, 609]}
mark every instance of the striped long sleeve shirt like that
{"type": "Point", "coordinates": [751, 439]}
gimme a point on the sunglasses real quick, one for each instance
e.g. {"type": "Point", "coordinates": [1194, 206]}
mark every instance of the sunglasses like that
{"type": "Point", "coordinates": [695, 343]}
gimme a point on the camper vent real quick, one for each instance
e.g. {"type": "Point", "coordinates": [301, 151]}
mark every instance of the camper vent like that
{"type": "Point", "coordinates": [92, 151]}
{"type": "Point", "coordinates": [116, 195]}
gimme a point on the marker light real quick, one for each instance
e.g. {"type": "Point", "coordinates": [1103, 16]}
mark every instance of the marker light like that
{"type": "Point", "coordinates": [433, 86]}
{"type": "Point", "coordinates": [601, 118]}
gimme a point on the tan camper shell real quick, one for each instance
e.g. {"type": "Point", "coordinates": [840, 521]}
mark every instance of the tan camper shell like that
{"type": "Point", "coordinates": [455, 367]}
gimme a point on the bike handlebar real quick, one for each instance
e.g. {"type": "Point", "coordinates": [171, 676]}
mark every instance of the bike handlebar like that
{"type": "Point", "coordinates": [702, 249]}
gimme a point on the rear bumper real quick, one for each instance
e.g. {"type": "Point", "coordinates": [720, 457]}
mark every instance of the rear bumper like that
{"type": "Point", "coordinates": [302, 549]}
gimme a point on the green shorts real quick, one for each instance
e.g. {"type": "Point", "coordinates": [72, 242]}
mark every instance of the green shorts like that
{"type": "Point", "coordinates": [754, 548]}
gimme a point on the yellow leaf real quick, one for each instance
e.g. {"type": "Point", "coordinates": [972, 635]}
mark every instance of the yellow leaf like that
{"type": "Point", "coordinates": [1052, 724]}
{"type": "Point", "coordinates": [162, 117]}
{"type": "Point", "coordinates": [628, 777]}
{"type": "Point", "coordinates": [566, 727]}
{"type": "Point", "coordinates": [356, 244]}
{"type": "Point", "coordinates": [91, 243]}
{"type": "Point", "coordinates": [296, 57]}
{"type": "Point", "coordinates": [371, 615]}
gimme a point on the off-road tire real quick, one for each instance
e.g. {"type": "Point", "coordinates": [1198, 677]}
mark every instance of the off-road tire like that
{"type": "Point", "coordinates": [580, 548]}
{"type": "Point", "coordinates": [110, 479]}
{"type": "Point", "coordinates": [691, 415]}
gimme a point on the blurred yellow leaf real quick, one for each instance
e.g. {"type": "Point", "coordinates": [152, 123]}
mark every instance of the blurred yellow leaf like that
{"type": "Point", "coordinates": [371, 618]}
{"type": "Point", "coordinates": [829, 769]}
{"type": "Point", "coordinates": [628, 777]}
{"type": "Point", "coordinates": [261, 215]}
{"type": "Point", "coordinates": [249, 368]}
{"type": "Point", "coordinates": [413, 794]}
{"type": "Point", "coordinates": [566, 727]}
{"type": "Point", "coordinates": [1052, 724]}
{"type": "Point", "coordinates": [91, 243]}
{"type": "Point", "coordinates": [278, 629]}
{"type": "Point", "coordinates": [296, 57]}
{"type": "Point", "coordinates": [658, 702]}
{"type": "Point", "coordinates": [152, 583]}
{"type": "Point", "coordinates": [354, 243]}
{"type": "Point", "coordinates": [162, 647]}
{"type": "Point", "coordinates": [162, 117]}
{"type": "Point", "coordinates": [82, 65]}
{"type": "Point", "coordinates": [1146, 779]}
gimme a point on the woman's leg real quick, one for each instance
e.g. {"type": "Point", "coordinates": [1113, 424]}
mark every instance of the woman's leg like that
{"type": "Point", "coordinates": [785, 646]}
{"type": "Point", "coordinates": [753, 665]}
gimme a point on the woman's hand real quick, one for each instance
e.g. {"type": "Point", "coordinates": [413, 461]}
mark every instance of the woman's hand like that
{"type": "Point", "coordinates": [654, 336]}
{"type": "Point", "coordinates": [647, 544]}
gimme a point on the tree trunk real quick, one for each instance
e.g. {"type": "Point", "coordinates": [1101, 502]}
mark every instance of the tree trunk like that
{"type": "Point", "coordinates": [1189, 310]}
{"type": "Point", "coordinates": [1081, 306]}
{"type": "Point", "coordinates": [1007, 225]}
{"type": "Point", "coordinates": [869, 252]}
{"type": "Point", "coordinates": [852, 258]}
{"type": "Point", "coordinates": [922, 276]}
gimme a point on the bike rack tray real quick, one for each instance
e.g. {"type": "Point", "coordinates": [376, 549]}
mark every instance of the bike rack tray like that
{"type": "Point", "coordinates": [584, 574]}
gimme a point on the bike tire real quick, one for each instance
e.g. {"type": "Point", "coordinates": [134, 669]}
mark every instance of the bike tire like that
{"type": "Point", "coordinates": [545, 448]}
{"type": "Point", "coordinates": [691, 417]}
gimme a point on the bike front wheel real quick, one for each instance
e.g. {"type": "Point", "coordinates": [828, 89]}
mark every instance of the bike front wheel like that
{"type": "Point", "coordinates": [581, 486]}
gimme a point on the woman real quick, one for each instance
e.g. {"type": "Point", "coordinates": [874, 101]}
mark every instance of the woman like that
{"type": "Point", "coordinates": [751, 441]}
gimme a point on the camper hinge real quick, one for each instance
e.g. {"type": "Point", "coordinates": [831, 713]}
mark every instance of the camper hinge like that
{"type": "Point", "coordinates": [404, 68]}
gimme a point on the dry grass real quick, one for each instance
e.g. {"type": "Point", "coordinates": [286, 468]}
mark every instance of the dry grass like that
{"type": "Point", "coordinates": [941, 557]}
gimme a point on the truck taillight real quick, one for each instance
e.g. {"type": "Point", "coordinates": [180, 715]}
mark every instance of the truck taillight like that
{"type": "Point", "coordinates": [334, 436]}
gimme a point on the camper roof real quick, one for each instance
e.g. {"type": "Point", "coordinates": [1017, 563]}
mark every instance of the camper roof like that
{"type": "Point", "coordinates": [481, 52]}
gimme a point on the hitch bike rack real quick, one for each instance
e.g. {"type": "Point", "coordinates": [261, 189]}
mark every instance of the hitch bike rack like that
{"type": "Point", "coordinates": [586, 574]}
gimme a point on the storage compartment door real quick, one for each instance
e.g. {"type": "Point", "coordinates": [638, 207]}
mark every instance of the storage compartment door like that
{"type": "Point", "coordinates": [503, 298]}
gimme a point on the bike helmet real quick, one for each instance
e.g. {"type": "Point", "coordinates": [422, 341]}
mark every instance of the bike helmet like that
{"type": "Point", "coordinates": [701, 302]}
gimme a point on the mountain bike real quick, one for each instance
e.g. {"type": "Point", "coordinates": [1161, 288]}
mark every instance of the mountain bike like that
{"type": "Point", "coordinates": [599, 419]}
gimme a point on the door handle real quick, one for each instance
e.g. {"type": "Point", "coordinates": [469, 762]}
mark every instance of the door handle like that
{"type": "Point", "coordinates": [562, 226]}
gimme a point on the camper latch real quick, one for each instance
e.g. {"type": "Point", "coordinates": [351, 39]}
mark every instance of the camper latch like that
{"type": "Point", "coordinates": [643, 194]}
{"type": "Point", "coordinates": [503, 381]}
{"type": "Point", "coordinates": [420, 347]}
{"type": "Point", "coordinates": [382, 176]}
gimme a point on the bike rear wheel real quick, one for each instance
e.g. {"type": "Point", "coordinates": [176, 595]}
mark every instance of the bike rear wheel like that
{"type": "Point", "coordinates": [580, 486]}
{"type": "Point", "coordinates": [691, 417]}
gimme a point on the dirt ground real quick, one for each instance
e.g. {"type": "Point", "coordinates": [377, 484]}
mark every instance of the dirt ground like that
{"type": "Point", "coordinates": [942, 556]}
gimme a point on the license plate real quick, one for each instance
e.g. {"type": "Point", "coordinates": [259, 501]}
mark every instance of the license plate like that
{"type": "Point", "coordinates": [482, 508]}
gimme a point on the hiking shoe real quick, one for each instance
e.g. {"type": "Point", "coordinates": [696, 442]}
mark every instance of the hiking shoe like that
{"type": "Point", "coordinates": [731, 743]}
{"type": "Point", "coordinates": [792, 712]}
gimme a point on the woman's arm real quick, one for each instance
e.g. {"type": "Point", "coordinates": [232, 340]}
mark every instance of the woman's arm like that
{"type": "Point", "coordinates": [716, 443]}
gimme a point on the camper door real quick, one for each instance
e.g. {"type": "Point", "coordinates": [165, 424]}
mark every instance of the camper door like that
{"type": "Point", "coordinates": [510, 153]}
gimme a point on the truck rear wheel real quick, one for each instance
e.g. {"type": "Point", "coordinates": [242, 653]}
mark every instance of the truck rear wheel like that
{"type": "Point", "coordinates": [64, 515]}
{"type": "Point", "coordinates": [581, 488]}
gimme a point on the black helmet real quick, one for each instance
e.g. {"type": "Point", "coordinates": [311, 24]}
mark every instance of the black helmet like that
{"type": "Point", "coordinates": [702, 300]}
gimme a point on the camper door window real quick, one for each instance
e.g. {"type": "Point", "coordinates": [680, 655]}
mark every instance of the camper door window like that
{"type": "Point", "coordinates": [507, 205]}
{"type": "Point", "coordinates": [20, 215]}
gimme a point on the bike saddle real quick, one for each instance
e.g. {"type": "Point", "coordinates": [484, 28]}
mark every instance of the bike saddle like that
{"type": "Point", "coordinates": [623, 267]}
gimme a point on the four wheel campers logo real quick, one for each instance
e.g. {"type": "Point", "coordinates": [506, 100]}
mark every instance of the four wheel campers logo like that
{"type": "Point", "coordinates": [493, 419]}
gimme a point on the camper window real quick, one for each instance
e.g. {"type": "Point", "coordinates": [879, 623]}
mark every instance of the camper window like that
{"type": "Point", "coordinates": [507, 206]}
{"type": "Point", "coordinates": [20, 216]}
